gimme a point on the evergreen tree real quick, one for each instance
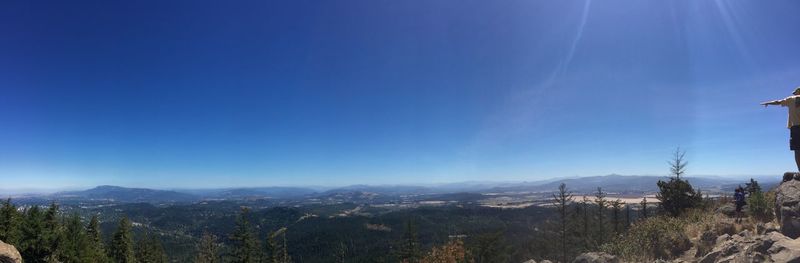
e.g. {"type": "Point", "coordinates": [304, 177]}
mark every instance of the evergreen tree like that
{"type": "Point", "coordinates": [627, 216]}
{"type": "Point", "coordinates": [677, 195]}
{"type": "Point", "coordinates": [272, 250]}
{"type": "Point", "coordinates": [150, 250]}
{"type": "Point", "coordinates": [643, 210]}
{"type": "Point", "coordinates": [616, 207]}
{"type": "Point", "coordinates": [409, 249]}
{"type": "Point", "coordinates": [587, 235]}
{"type": "Point", "coordinates": [96, 242]}
{"type": "Point", "coordinates": [277, 248]}
{"type": "Point", "coordinates": [341, 253]}
{"type": "Point", "coordinates": [76, 246]}
{"type": "Point", "coordinates": [285, 258]}
{"type": "Point", "coordinates": [34, 247]}
{"type": "Point", "coordinates": [561, 201]}
{"type": "Point", "coordinates": [759, 208]}
{"type": "Point", "coordinates": [10, 223]}
{"type": "Point", "coordinates": [490, 248]}
{"type": "Point", "coordinates": [602, 203]}
{"type": "Point", "coordinates": [53, 233]}
{"type": "Point", "coordinates": [245, 244]}
{"type": "Point", "coordinates": [207, 249]}
{"type": "Point", "coordinates": [752, 186]}
{"type": "Point", "coordinates": [121, 250]}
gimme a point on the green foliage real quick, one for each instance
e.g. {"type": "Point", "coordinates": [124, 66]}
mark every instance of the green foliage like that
{"type": "Point", "coordinates": [53, 233]}
{"type": "Point", "coordinates": [490, 248]}
{"type": "Point", "coordinates": [677, 195]}
{"type": "Point", "coordinates": [34, 245]}
{"type": "Point", "coordinates": [409, 248]}
{"type": "Point", "coordinates": [277, 247]}
{"type": "Point", "coordinates": [207, 249]}
{"type": "Point", "coordinates": [600, 221]}
{"type": "Point", "coordinates": [150, 250]}
{"type": "Point", "coordinates": [93, 235]}
{"type": "Point", "coordinates": [245, 244]}
{"type": "Point", "coordinates": [658, 237]}
{"type": "Point", "coordinates": [616, 221]}
{"type": "Point", "coordinates": [561, 201]}
{"type": "Point", "coordinates": [341, 253]}
{"type": "Point", "coordinates": [586, 219]}
{"type": "Point", "coordinates": [76, 245]}
{"type": "Point", "coordinates": [643, 210]}
{"type": "Point", "coordinates": [677, 166]}
{"type": "Point", "coordinates": [752, 186]}
{"type": "Point", "coordinates": [121, 250]}
{"type": "Point", "coordinates": [759, 206]}
{"type": "Point", "coordinates": [9, 223]}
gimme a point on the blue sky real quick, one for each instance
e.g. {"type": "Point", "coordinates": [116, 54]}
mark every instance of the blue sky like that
{"type": "Point", "coordinates": [244, 93]}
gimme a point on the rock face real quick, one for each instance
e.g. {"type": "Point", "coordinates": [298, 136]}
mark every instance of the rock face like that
{"type": "Point", "coordinates": [727, 209]}
{"type": "Point", "coordinates": [787, 207]}
{"type": "Point", "coordinates": [596, 257]}
{"type": "Point", "coordinates": [748, 247]}
{"type": "Point", "coordinates": [9, 254]}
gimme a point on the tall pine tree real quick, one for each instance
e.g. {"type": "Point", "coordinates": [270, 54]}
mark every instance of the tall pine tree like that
{"type": "Point", "coordinates": [150, 250]}
{"type": "Point", "coordinates": [677, 194]}
{"type": "Point", "coordinates": [207, 249]}
{"type": "Point", "coordinates": [602, 203]}
{"type": "Point", "coordinates": [561, 201]}
{"type": "Point", "coordinates": [245, 243]}
{"type": "Point", "coordinates": [409, 249]}
{"type": "Point", "coordinates": [121, 250]}
{"type": "Point", "coordinates": [96, 241]}
{"type": "Point", "coordinates": [33, 245]}
{"type": "Point", "coordinates": [10, 223]}
{"type": "Point", "coordinates": [616, 221]}
{"type": "Point", "coordinates": [76, 246]}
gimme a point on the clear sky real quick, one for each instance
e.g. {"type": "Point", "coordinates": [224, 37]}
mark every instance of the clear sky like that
{"type": "Point", "coordinates": [245, 93]}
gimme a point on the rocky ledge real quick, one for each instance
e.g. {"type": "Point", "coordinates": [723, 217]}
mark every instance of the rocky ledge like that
{"type": "Point", "coordinates": [9, 254]}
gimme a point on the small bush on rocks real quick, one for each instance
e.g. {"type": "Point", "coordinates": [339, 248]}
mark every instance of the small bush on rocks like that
{"type": "Point", "coordinates": [659, 237]}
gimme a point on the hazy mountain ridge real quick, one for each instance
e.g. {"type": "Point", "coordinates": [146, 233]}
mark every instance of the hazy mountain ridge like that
{"type": "Point", "coordinates": [127, 195]}
{"type": "Point", "coordinates": [633, 184]}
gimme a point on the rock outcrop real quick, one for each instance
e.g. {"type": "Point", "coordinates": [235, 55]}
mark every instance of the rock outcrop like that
{"type": "Point", "coordinates": [787, 207]}
{"type": "Point", "coordinates": [747, 247]}
{"type": "Point", "coordinates": [596, 257]}
{"type": "Point", "coordinates": [9, 254]}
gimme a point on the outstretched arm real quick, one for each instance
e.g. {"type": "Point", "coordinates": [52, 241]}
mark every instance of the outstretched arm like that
{"type": "Point", "coordinates": [774, 102]}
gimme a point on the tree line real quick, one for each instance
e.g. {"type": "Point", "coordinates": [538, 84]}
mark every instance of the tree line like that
{"type": "Point", "coordinates": [42, 235]}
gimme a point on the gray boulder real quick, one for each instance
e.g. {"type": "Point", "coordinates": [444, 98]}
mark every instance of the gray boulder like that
{"type": "Point", "coordinates": [784, 249]}
{"type": "Point", "coordinates": [787, 208]}
{"type": "Point", "coordinates": [596, 257]}
{"type": "Point", "coordinates": [9, 254]}
{"type": "Point", "coordinates": [746, 247]}
{"type": "Point", "coordinates": [727, 209]}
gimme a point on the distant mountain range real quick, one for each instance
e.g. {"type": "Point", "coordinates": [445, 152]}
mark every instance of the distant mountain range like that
{"type": "Point", "coordinates": [127, 195]}
{"type": "Point", "coordinates": [609, 183]}
{"type": "Point", "coordinates": [253, 192]}
{"type": "Point", "coordinates": [635, 184]}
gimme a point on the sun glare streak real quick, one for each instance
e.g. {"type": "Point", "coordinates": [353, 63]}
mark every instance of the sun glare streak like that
{"type": "Point", "coordinates": [564, 65]}
{"type": "Point", "coordinates": [731, 21]}
{"type": "Point", "coordinates": [520, 114]}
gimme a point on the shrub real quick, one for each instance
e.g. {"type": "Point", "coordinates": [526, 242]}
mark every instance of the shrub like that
{"type": "Point", "coordinates": [759, 206]}
{"type": "Point", "coordinates": [653, 238]}
{"type": "Point", "coordinates": [677, 195]}
{"type": "Point", "coordinates": [453, 252]}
